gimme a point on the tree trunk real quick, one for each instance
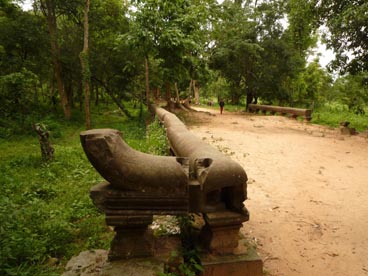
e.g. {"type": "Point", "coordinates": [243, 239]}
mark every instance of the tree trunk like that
{"type": "Point", "coordinates": [196, 92]}
{"type": "Point", "coordinates": [177, 92]}
{"type": "Point", "coordinates": [52, 94]}
{"type": "Point", "coordinates": [85, 67]}
{"type": "Point", "coordinates": [157, 93]}
{"type": "Point", "coordinates": [81, 96]}
{"type": "Point", "coordinates": [147, 80]}
{"type": "Point", "coordinates": [68, 88]}
{"type": "Point", "coordinates": [97, 96]}
{"type": "Point", "coordinates": [191, 88]}
{"type": "Point", "coordinates": [48, 8]}
{"type": "Point", "coordinates": [168, 92]}
{"type": "Point", "coordinates": [249, 99]}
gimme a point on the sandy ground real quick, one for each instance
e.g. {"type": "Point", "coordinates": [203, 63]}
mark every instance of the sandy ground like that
{"type": "Point", "coordinates": [307, 189]}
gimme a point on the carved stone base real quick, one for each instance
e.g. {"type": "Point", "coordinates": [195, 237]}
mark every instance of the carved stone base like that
{"type": "Point", "coordinates": [220, 235]}
{"type": "Point", "coordinates": [133, 238]}
{"type": "Point", "coordinates": [141, 267]}
{"type": "Point", "coordinates": [247, 264]}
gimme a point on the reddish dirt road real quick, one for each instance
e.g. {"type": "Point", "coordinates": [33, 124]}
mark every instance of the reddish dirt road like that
{"type": "Point", "coordinates": [307, 189]}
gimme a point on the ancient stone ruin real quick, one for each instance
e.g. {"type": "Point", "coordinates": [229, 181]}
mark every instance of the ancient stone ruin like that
{"type": "Point", "coordinates": [197, 179]}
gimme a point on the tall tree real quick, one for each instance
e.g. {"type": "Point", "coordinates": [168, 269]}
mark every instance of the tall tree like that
{"type": "Point", "coordinates": [84, 59]}
{"type": "Point", "coordinates": [236, 52]}
{"type": "Point", "coordinates": [171, 31]}
{"type": "Point", "coordinates": [282, 59]}
{"type": "Point", "coordinates": [302, 25]}
{"type": "Point", "coordinates": [48, 8]}
{"type": "Point", "coordinates": [114, 65]}
{"type": "Point", "coordinates": [23, 65]}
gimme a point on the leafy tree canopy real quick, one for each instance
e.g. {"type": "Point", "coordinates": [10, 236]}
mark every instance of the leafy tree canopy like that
{"type": "Point", "coordinates": [347, 22]}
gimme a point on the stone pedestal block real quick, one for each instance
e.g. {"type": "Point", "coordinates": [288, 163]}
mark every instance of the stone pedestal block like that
{"type": "Point", "coordinates": [132, 242]}
{"type": "Point", "coordinates": [220, 235]}
{"type": "Point", "coordinates": [248, 264]}
{"type": "Point", "coordinates": [133, 267]}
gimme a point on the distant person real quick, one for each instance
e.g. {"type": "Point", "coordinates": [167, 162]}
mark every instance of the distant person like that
{"type": "Point", "coordinates": [222, 104]}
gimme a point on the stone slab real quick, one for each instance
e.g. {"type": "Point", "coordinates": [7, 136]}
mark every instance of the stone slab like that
{"type": "Point", "coordinates": [133, 267]}
{"type": "Point", "coordinates": [87, 263]}
{"type": "Point", "coordinates": [248, 264]}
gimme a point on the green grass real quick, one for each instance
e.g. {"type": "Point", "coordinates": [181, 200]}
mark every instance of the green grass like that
{"type": "Point", "coordinates": [332, 115]}
{"type": "Point", "coordinates": [45, 209]}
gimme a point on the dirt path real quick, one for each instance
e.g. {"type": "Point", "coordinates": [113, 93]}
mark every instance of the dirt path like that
{"type": "Point", "coordinates": [307, 188]}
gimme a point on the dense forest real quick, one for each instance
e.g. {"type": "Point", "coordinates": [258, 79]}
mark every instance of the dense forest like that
{"type": "Point", "coordinates": [62, 63]}
{"type": "Point", "coordinates": [67, 55]}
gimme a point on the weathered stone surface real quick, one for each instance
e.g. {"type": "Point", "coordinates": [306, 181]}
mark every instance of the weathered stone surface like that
{"type": "Point", "coordinates": [220, 235]}
{"type": "Point", "coordinates": [218, 183]}
{"type": "Point", "coordinates": [128, 169]}
{"type": "Point", "coordinates": [133, 267]}
{"type": "Point", "coordinates": [345, 130]}
{"type": "Point", "coordinates": [131, 242]}
{"type": "Point", "coordinates": [94, 263]}
{"type": "Point", "coordinates": [294, 112]}
{"type": "Point", "coordinates": [141, 185]}
{"type": "Point", "coordinates": [117, 203]}
{"type": "Point", "coordinates": [87, 263]}
{"type": "Point", "coordinates": [245, 264]}
{"type": "Point", "coordinates": [47, 149]}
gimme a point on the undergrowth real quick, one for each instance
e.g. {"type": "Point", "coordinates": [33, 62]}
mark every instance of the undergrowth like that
{"type": "Point", "coordinates": [333, 115]}
{"type": "Point", "coordinates": [45, 211]}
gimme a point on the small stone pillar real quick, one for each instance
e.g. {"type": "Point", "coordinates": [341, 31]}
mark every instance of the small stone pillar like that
{"type": "Point", "coordinates": [220, 235]}
{"type": "Point", "coordinates": [133, 236]}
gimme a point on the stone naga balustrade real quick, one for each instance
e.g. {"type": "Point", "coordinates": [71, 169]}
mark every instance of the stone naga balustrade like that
{"type": "Point", "coordinates": [199, 179]}
{"type": "Point", "coordinates": [220, 181]}
{"type": "Point", "coordinates": [294, 112]}
{"type": "Point", "coordinates": [138, 186]}
{"type": "Point", "coordinates": [130, 170]}
{"type": "Point", "coordinates": [217, 186]}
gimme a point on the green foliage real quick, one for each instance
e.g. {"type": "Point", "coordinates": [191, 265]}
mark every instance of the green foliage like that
{"type": "Point", "coordinates": [303, 25]}
{"type": "Point", "coordinates": [237, 52]}
{"type": "Point", "coordinates": [86, 74]}
{"type": "Point", "coordinates": [333, 113]}
{"type": "Point", "coordinates": [44, 204]}
{"type": "Point", "coordinates": [191, 264]}
{"type": "Point", "coordinates": [173, 32]}
{"type": "Point", "coordinates": [347, 33]}
{"type": "Point", "coordinates": [311, 86]}
{"type": "Point", "coordinates": [352, 90]}
{"type": "Point", "coordinates": [45, 209]}
{"type": "Point", "coordinates": [188, 233]}
{"type": "Point", "coordinates": [157, 140]}
{"type": "Point", "coordinates": [17, 92]}
{"type": "Point", "coordinates": [217, 88]}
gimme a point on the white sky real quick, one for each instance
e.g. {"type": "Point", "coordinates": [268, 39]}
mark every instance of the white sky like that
{"type": "Point", "coordinates": [325, 55]}
{"type": "Point", "coordinates": [27, 5]}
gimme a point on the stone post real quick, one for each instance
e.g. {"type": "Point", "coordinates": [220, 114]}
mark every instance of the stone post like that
{"type": "Point", "coordinates": [133, 237]}
{"type": "Point", "coordinates": [220, 235]}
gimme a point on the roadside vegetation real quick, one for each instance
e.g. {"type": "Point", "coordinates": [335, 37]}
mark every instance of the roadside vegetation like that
{"type": "Point", "coordinates": [334, 114]}
{"type": "Point", "coordinates": [45, 211]}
